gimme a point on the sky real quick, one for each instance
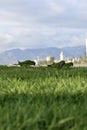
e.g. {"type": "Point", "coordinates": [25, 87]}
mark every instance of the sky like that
{"type": "Point", "coordinates": [42, 23]}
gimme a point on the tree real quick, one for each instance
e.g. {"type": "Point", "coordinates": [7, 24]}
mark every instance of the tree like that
{"type": "Point", "coordinates": [26, 63]}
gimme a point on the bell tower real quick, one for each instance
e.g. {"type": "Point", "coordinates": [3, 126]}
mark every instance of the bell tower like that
{"type": "Point", "coordinates": [86, 48]}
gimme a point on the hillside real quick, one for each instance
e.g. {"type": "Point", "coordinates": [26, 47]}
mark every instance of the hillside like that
{"type": "Point", "coordinates": [12, 56]}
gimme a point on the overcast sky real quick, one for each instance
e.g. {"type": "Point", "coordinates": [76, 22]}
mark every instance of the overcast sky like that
{"type": "Point", "coordinates": [42, 23]}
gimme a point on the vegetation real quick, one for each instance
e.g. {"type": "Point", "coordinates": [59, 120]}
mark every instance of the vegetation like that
{"type": "Point", "coordinates": [61, 65]}
{"type": "Point", "coordinates": [68, 65]}
{"type": "Point", "coordinates": [43, 98]}
{"type": "Point", "coordinates": [26, 63]}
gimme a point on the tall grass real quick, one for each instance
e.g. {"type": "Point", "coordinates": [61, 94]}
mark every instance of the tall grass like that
{"type": "Point", "coordinates": [43, 99]}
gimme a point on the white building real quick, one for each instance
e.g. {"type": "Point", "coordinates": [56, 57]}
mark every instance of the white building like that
{"type": "Point", "coordinates": [86, 48]}
{"type": "Point", "coordinates": [61, 55]}
{"type": "Point", "coordinates": [37, 61]}
{"type": "Point", "coordinates": [50, 60]}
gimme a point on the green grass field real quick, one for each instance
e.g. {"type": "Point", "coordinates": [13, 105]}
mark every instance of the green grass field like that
{"type": "Point", "coordinates": [43, 98]}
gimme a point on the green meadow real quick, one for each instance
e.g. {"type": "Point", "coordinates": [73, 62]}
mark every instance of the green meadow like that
{"type": "Point", "coordinates": [43, 98]}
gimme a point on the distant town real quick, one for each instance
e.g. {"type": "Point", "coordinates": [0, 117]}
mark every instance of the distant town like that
{"type": "Point", "coordinates": [77, 61]}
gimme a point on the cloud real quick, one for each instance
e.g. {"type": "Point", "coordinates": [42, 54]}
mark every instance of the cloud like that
{"type": "Point", "coordinates": [6, 41]}
{"type": "Point", "coordinates": [42, 23]}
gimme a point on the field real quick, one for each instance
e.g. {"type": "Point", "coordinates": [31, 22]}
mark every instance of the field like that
{"type": "Point", "coordinates": [43, 98]}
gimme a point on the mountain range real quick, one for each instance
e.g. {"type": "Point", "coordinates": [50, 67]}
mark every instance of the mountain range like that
{"type": "Point", "coordinates": [14, 55]}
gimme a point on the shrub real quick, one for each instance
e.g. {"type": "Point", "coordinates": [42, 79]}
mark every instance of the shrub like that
{"type": "Point", "coordinates": [58, 65]}
{"type": "Point", "coordinates": [68, 65]}
{"type": "Point", "coordinates": [26, 63]}
{"type": "Point", "coordinates": [61, 65]}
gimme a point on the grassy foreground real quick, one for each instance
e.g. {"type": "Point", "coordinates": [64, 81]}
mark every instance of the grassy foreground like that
{"type": "Point", "coordinates": [43, 99]}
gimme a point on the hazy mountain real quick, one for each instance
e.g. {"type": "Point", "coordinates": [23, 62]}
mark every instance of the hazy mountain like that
{"type": "Point", "coordinates": [12, 56]}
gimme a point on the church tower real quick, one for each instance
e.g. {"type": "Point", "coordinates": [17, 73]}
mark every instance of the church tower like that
{"type": "Point", "coordinates": [86, 48]}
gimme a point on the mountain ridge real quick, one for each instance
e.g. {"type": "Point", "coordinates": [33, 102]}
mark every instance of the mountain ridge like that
{"type": "Point", "coordinates": [13, 55]}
